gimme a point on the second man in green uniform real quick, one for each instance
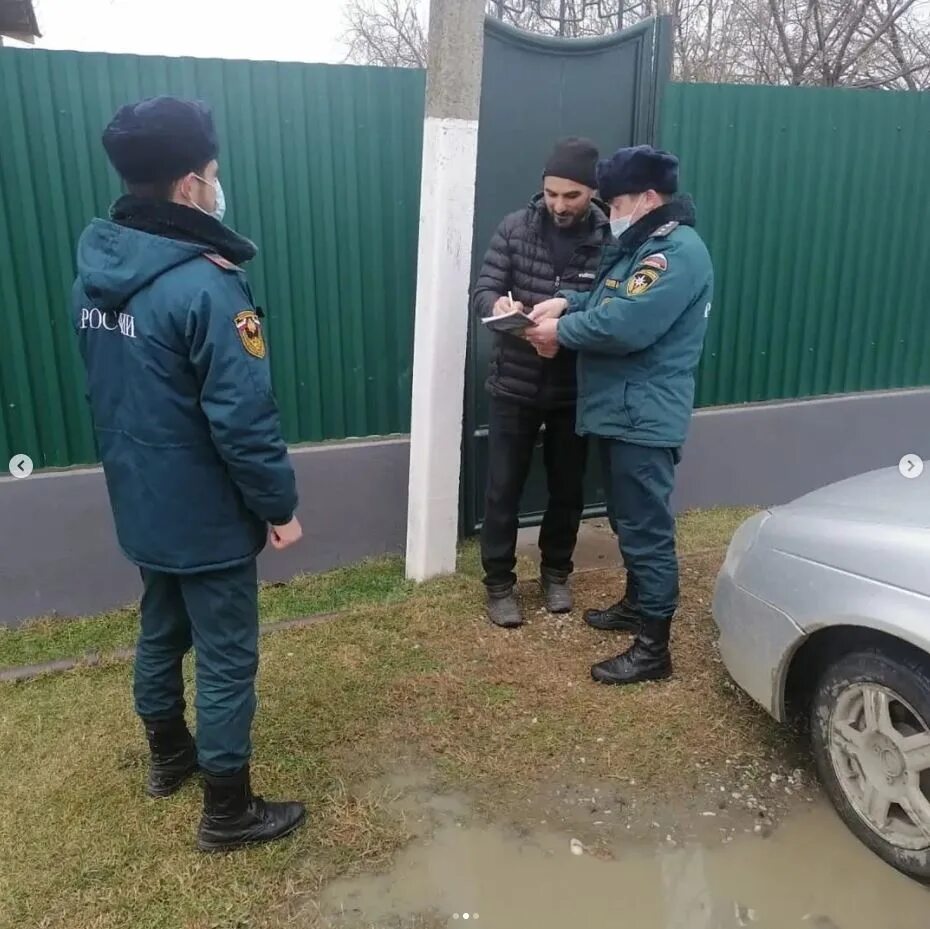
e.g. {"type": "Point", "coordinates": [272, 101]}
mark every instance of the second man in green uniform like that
{"type": "Point", "coordinates": [639, 336]}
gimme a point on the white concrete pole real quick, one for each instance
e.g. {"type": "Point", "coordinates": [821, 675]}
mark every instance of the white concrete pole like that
{"type": "Point", "coordinates": [447, 203]}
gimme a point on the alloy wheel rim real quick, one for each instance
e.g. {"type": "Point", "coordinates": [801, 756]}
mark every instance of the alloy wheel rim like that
{"type": "Point", "coordinates": [880, 752]}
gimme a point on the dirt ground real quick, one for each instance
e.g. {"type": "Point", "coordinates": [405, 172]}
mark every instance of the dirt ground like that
{"type": "Point", "coordinates": [422, 690]}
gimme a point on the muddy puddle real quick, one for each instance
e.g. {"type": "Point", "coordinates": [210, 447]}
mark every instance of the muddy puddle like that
{"type": "Point", "coordinates": [806, 873]}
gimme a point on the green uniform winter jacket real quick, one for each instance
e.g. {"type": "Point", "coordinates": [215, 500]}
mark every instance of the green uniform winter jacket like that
{"type": "Point", "coordinates": [180, 389]}
{"type": "Point", "coordinates": [639, 333]}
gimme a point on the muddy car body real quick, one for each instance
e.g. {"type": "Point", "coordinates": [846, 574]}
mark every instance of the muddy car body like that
{"type": "Point", "coordinates": [823, 608]}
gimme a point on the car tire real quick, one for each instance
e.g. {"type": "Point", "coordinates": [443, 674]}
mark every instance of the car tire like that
{"type": "Point", "coordinates": [855, 766]}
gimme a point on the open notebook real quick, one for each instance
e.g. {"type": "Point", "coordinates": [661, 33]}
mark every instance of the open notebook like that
{"type": "Point", "coordinates": [509, 322]}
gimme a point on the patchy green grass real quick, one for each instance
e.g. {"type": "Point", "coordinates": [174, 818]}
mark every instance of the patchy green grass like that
{"type": "Point", "coordinates": [379, 581]}
{"type": "Point", "coordinates": [48, 639]}
{"type": "Point", "coordinates": [703, 530]}
{"type": "Point", "coordinates": [417, 677]}
{"type": "Point", "coordinates": [424, 681]}
{"type": "Point", "coordinates": [708, 530]}
{"type": "Point", "coordinates": [82, 847]}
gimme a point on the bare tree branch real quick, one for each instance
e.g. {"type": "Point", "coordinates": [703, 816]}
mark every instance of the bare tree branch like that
{"type": "Point", "coordinates": [385, 32]}
{"type": "Point", "coordinates": [860, 43]}
{"type": "Point", "coordinates": [880, 32]}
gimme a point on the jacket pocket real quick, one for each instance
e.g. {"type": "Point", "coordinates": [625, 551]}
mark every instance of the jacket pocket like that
{"type": "Point", "coordinates": [609, 407]}
{"type": "Point", "coordinates": [635, 400]}
{"type": "Point", "coordinates": [661, 409]}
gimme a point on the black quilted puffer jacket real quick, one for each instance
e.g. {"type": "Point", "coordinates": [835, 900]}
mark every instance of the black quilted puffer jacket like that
{"type": "Point", "coordinates": [519, 260]}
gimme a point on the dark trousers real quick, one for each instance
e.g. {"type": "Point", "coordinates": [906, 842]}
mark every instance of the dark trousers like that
{"type": "Point", "coordinates": [513, 433]}
{"type": "Point", "coordinates": [217, 613]}
{"type": "Point", "coordinates": [639, 482]}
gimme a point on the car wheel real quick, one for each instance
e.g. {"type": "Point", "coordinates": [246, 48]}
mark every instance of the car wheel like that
{"type": "Point", "coordinates": [870, 729]}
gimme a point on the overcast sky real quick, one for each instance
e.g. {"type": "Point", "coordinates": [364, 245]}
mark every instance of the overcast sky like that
{"type": "Point", "coordinates": [280, 30]}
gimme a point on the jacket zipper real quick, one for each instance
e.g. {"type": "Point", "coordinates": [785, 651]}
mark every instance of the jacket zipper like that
{"type": "Point", "coordinates": [587, 242]}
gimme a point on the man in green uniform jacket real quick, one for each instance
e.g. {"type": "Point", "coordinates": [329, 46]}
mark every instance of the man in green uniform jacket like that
{"type": "Point", "coordinates": [639, 335]}
{"type": "Point", "coordinates": [197, 471]}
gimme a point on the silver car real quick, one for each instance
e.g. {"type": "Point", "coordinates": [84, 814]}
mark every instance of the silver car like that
{"type": "Point", "coordinates": [823, 608]}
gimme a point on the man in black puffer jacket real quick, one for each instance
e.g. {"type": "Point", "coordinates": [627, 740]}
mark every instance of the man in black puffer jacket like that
{"type": "Point", "coordinates": [554, 244]}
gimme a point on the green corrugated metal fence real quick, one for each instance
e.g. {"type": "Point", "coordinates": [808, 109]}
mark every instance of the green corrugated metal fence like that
{"type": "Point", "coordinates": [813, 202]}
{"type": "Point", "coordinates": [321, 165]}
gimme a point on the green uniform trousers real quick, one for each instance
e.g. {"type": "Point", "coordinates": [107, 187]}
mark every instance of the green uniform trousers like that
{"type": "Point", "coordinates": [639, 481]}
{"type": "Point", "coordinates": [217, 613]}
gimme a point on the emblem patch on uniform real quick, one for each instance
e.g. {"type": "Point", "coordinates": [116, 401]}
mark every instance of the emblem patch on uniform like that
{"type": "Point", "coordinates": [249, 327]}
{"type": "Point", "coordinates": [612, 285]}
{"type": "Point", "coordinates": [657, 261]}
{"type": "Point", "coordinates": [641, 281]}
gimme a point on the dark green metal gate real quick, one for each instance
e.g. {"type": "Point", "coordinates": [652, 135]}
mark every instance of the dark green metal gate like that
{"type": "Point", "coordinates": [535, 90]}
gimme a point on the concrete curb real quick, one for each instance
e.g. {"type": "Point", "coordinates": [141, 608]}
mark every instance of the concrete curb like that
{"type": "Point", "coordinates": [95, 659]}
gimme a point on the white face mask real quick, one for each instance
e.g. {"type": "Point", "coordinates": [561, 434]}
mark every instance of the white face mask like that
{"type": "Point", "coordinates": [219, 211]}
{"type": "Point", "coordinates": [620, 225]}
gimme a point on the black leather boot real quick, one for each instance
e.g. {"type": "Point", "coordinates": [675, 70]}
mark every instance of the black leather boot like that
{"type": "Point", "coordinates": [621, 617]}
{"type": "Point", "coordinates": [648, 660]}
{"type": "Point", "coordinates": [504, 609]}
{"type": "Point", "coordinates": [174, 755]}
{"type": "Point", "coordinates": [233, 816]}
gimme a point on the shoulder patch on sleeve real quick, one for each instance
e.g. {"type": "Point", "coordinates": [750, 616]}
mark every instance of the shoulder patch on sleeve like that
{"type": "Point", "coordinates": [220, 261]}
{"type": "Point", "coordinates": [657, 261]}
{"type": "Point", "coordinates": [665, 230]}
{"type": "Point", "coordinates": [249, 327]}
{"type": "Point", "coordinates": [641, 281]}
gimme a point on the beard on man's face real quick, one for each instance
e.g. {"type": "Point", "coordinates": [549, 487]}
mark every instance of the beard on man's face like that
{"type": "Point", "coordinates": [564, 220]}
